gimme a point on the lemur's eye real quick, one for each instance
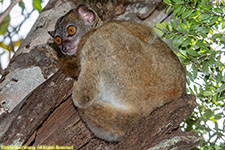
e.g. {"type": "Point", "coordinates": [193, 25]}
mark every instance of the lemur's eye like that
{"type": "Point", "coordinates": [71, 30]}
{"type": "Point", "coordinates": [58, 40]}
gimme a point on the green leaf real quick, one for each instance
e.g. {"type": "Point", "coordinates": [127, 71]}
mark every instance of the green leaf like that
{"type": "Point", "coordinates": [179, 2]}
{"type": "Point", "coordinates": [164, 25]}
{"type": "Point", "coordinates": [160, 26]}
{"type": "Point", "coordinates": [195, 72]}
{"type": "Point", "coordinates": [21, 4]}
{"type": "Point", "coordinates": [211, 61]}
{"type": "Point", "coordinates": [203, 31]}
{"type": "Point", "coordinates": [182, 10]}
{"type": "Point", "coordinates": [169, 28]}
{"type": "Point", "coordinates": [18, 43]}
{"type": "Point", "coordinates": [212, 119]}
{"type": "Point", "coordinates": [173, 23]}
{"type": "Point", "coordinates": [221, 88]}
{"type": "Point", "coordinates": [169, 36]}
{"type": "Point", "coordinates": [37, 5]}
{"type": "Point", "coordinates": [186, 42]}
{"type": "Point", "coordinates": [183, 52]}
{"type": "Point", "coordinates": [176, 10]}
{"type": "Point", "coordinates": [4, 25]}
{"type": "Point", "coordinates": [219, 11]}
{"type": "Point", "coordinates": [168, 2]}
{"type": "Point", "coordinates": [182, 28]}
{"type": "Point", "coordinates": [186, 14]}
{"type": "Point", "coordinates": [158, 31]}
{"type": "Point", "coordinates": [213, 20]}
{"type": "Point", "coordinates": [223, 25]}
{"type": "Point", "coordinates": [216, 36]}
{"type": "Point", "coordinates": [182, 25]}
{"type": "Point", "coordinates": [189, 24]}
{"type": "Point", "coordinates": [221, 99]}
{"type": "Point", "coordinates": [4, 46]}
{"type": "Point", "coordinates": [193, 14]}
{"type": "Point", "coordinates": [192, 52]}
{"type": "Point", "coordinates": [177, 41]}
{"type": "Point", "coordinates": [194, 26]}
{"type": "Point", "coordinates": [208, 113]}
{"type": "Point", "coordinates": [168, 9]}
{"type": "Point", "coordinates": [205, 16]}
{"type": "Point", "coordinates": [223, 39]}
{"type": "Point", "coordinates": [218, 116]}
{"type": "Point", "coordinates": [219, 77]}
{"type": "Point", "coordinates": [204, 6]}
{"type": "Point", "coordinates": [212, 88]}
{"type": "Point", "coordinates": [206, 68]}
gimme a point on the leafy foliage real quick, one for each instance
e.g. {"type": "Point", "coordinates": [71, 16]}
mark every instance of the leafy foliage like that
{"type": "Point", "coordinates": [4, 25]}
{"type": "Point", "coordinates": [198, 30]}
{"type": "Point", "coordinates": [37, 5]}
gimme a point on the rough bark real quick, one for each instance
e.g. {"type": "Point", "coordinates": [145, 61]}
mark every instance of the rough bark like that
{"type": "Point", "coordinates": [158, 131]}
{"type": "Point", "coordinates": [35, 102]}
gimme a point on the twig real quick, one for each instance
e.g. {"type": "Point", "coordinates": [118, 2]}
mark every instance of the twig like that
{"type": "Point", "coordinates": [6, 12]}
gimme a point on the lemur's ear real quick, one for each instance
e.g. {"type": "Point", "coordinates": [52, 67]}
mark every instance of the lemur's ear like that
{"type": "Point", "coordinates": [51, 33]}
{"type": "Point", "coordinates": [86, 14]}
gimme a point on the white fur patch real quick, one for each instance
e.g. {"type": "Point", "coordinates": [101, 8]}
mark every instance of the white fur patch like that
{"type": "Point", "coordinates": [107, 94]}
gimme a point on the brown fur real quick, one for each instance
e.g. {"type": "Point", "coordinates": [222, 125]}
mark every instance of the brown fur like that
{"type": "Point", "coordinates": [123, 62]}
{"type": "Point", "coordinates": [125, 73]}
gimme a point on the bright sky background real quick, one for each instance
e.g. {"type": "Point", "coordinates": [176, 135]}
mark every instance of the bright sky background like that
{"type": "Point", "coordinates": [16, 19]}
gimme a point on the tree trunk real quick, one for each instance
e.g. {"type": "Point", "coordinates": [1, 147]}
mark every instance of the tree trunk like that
{"type": "Point", "coordinates": [35, 99]}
